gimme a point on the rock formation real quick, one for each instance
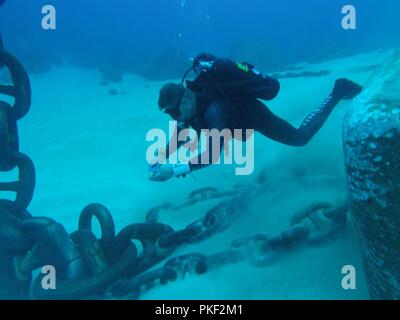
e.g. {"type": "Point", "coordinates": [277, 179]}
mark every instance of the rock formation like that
{"type": "Point", "coordinates": [372, 159]}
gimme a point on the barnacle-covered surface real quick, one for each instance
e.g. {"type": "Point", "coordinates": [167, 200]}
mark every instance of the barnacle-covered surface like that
{"type": "Point", "coordinates": [372, 153]}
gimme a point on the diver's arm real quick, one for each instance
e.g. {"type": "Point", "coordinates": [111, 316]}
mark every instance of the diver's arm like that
{"type": "Point", "coordinates": [163, 171]}
{"type": "Point", "coordinates": [167, 152]}
{"type": "Point", "coordinates": [214, 118]}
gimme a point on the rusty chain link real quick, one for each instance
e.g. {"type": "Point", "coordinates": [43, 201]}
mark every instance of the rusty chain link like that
{"type": "Point", "coordinates": [215, 220]}
{"type": "Point", "coordinates": [85, 265]}
{"type": "Point", "coordinates": [258, 249]}
{"type": "Point", "coordinates": [14, 242]}
{"type": "Point", "coordinates": [11, 157]}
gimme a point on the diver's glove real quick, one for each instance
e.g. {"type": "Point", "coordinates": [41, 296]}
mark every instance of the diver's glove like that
{"type": "Point", "coordinates": [164, 172]}
{"type": "Point", "coordinates": [346, 89]}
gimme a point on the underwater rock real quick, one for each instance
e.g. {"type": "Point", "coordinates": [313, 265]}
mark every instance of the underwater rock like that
{"type": "Point", "coordinates": [372, 157]}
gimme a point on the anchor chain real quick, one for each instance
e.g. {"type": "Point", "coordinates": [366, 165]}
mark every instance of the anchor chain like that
{"type": "Point", "coordinates": [10, 156]}
{"type": "Point", "coordinates": [104, 261]}
{"type": "Point", "coordinates": [215, 220]}
{"type": "Point", "coordinates": [13, 241]}
{"type": "Point", "coordinates": [316, 223]}
{"type": "Point", "coordinates": [313, 225]}
{"type": "Point", "coordinates": [85, 265]}
{"type": "Point", "coordinates": [196, 196]}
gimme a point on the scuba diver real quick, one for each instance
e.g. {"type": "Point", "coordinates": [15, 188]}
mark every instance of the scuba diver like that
{"type": "Point", "coordinates": [226, 95]}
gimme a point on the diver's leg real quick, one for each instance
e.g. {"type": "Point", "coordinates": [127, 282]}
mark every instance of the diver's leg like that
{"type": "Point", "coordinates": [273, 127]}
{"type": "Point", "coordinates": [261, 119]}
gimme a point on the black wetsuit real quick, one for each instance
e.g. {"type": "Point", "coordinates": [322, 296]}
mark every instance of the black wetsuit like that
{"type": "Point", "coordinates": [222, 107]}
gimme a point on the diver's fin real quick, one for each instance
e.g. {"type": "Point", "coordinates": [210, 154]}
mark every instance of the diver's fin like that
{"type": "Point", "coordinates": [346, 89]}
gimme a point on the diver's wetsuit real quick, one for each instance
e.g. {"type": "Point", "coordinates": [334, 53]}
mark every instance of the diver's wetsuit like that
{"type": "Point", "coordinates": [225, 109]}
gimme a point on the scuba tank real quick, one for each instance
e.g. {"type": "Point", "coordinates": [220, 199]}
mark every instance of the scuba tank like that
{"type": "Point", "coordinates": [234, 79]}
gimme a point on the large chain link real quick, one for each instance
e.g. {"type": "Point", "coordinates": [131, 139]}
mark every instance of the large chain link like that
{"type": "Point", "coordinates": [215, 220]}
{"type": "Point", "coordinates": [314, 224]}
{"type": "Point", "coordinates": [85, 265]}
{"type": "Point", "coordinates": [14, 242]}
{"type": "Point", "coordinates": [90, 265]}
{"type": "Point", "coordinates": [10, 157]}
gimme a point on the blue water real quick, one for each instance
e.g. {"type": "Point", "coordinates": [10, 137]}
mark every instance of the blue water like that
{"type": "Point", "coordinates": [137, 29]}
{"type": "Point", "coordinates": [86, 130]}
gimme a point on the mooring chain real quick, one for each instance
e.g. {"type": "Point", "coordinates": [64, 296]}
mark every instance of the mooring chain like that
{"type": "Point", "coordinates": [10, 157]}
{"type": "Point", "coordinates": [195, 197]}
{"type": "Point", "coordinates": [84, 264]}
{"type": "Point", "coordinates": [14, 241]}
{"type": "Point", "coordinates": [316, 223]}
{"type": "Point", "coordinates": [215, 220]}
{"type": "Point", "coordinates": [89, 265]}
{"type": "Point", "coordinates": [313, 225]}
{"type": "Point", "coordinates": [173, 269]}
{"type": "Point", "coordinates": [220, 217]}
